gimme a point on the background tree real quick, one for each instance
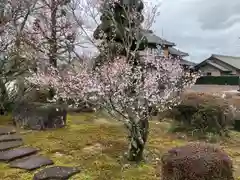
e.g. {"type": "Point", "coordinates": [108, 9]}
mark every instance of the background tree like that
{"type": "Point", "coordinates": [150, 13]}
{"type": "Point", "coordinates": [90, 19]}
{"type": "Point", "coordinates": [118, 20]}
{"type": "Point", "coordinates": [53, 32]}
{"type": "Point", "coordinates": [14, 60]}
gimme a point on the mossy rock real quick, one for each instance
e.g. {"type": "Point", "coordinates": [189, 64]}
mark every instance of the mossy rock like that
{"type": "Point", "coordinates": [39, 116]}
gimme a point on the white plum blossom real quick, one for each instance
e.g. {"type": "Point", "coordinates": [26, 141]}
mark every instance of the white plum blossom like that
{"type": "Point", "coordinates": [156, 84]}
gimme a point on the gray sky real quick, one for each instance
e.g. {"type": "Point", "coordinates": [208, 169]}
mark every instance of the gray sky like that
{"type": "Point", "coordinates": [201, 27]}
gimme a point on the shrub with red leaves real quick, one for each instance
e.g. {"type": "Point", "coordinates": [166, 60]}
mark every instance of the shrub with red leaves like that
{"type": "Point", "coordinates": [196, 161]}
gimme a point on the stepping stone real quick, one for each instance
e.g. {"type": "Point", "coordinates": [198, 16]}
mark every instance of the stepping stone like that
{"type": "Point", "coordinates": [31, 163]}
{"type": "Point", "coordinates": [17, 153]}
{"type": "Point", "coordinates": [10, 144]}
{"type": "Point", "coordinates": [10, 137]}
{"type": "Point", "coordinates": [7, 130]}
{"type": "Point", "coordinates": [56, 173]}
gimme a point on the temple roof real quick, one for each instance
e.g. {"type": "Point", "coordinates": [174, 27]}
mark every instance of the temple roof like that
{"type": "Point", "coordinates": [154, 39]}
{"type": "Point", "coordinates": [176, 52]}
{"type": "Point", "coordinates": [186, 62]}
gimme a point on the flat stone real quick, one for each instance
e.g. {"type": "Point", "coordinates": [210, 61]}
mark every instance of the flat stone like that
{"type": "Point", "coordinates": [10, 144]}
{"type": "Point", "coordinates": [10, 137]}
{"type": "Point", "coordinates": [17, 153]}
{"type": "Point", "coordinates": [7, 130]}
{"type": "Point", "coordinates": [56, 173]}
{"type": "Point", "coordinates": [31, 163]}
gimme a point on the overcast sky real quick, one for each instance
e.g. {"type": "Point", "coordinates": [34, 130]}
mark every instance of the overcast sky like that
{"type": "Point", "coordinates": [201, 27]}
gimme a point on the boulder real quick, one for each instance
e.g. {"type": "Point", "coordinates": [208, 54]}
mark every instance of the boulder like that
{"type": "Point", "coordinates": [36, 95]}
{"type": "Point", "coordinates": [39, 116]}
{"type": "Point", "coordinates": [56, 173]}
{"type": "Point", "coordinates": [196, 161]}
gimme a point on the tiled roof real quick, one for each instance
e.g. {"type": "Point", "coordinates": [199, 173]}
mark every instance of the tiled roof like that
{"type": "Point", "coordinates": [174, 51]}
{"type": "Point", "coordinates": [231, 60]}
{"type": "Point", "coordinates": [154, 39]}
{"type": "Point", "coordinates": [217, 66]}
{"type": "Point", "coordinates": [185, 62]}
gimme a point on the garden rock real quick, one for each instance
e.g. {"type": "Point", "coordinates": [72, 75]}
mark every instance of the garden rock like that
{"type": "Point", "coordinates": [31, 163]}
{"type": "Point", "coordinates": [39, 116]}
{"type": "Point", "coordinates": [10, 144]}
{"type": "Point", "coordinates": [6, 130]}
{"type": "Point", "coordinates": [196, 161]}
{"type": "Point", "coordinates": [10, 137]}
{"type": "Point", "coordinates": [56, 172]}
{"type": "Point", "coordinates": [17, 153]}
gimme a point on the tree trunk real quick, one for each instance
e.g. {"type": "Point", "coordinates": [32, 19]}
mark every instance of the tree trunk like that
{"type": "Point", "coordinates": [138, 138]}
{"type": "Point", "coordinates": [53, 41]}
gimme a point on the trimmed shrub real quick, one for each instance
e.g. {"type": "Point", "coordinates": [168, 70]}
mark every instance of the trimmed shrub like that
{"type": "Point", "coordinates": [204, 113]}
{"type": "Point", "coordinates": [196, 161]}
{"type": "Point", "coordinates": [219, 80]}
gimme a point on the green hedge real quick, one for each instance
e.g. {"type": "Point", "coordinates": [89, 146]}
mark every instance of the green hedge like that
{"type": "Point", "coordinates": [219, 80]}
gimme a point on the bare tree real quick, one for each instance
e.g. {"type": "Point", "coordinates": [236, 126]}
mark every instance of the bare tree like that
{"type": "Point", "coordinates": [86, 16]}
{"type": "Point", "coordinates": [150, 12]}
{"type": "Point", "coordinates": [53, 34]}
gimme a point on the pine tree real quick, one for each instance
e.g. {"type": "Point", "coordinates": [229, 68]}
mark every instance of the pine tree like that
{"type": "Point", "coordinates": [120, 29]}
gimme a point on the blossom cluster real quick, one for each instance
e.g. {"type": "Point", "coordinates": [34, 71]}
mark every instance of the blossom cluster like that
{"type": "Point", "coordinates": [121, 86]}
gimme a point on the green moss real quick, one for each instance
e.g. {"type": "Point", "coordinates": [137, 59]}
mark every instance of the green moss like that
{"type": "Point", "coordinates": [105, 161]}
{"type": "Point", "coordinates": [5, 120]}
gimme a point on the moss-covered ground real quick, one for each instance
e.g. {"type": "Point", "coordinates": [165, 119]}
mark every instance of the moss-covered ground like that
{"type": "Point", "coordinates": [97, 146]}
